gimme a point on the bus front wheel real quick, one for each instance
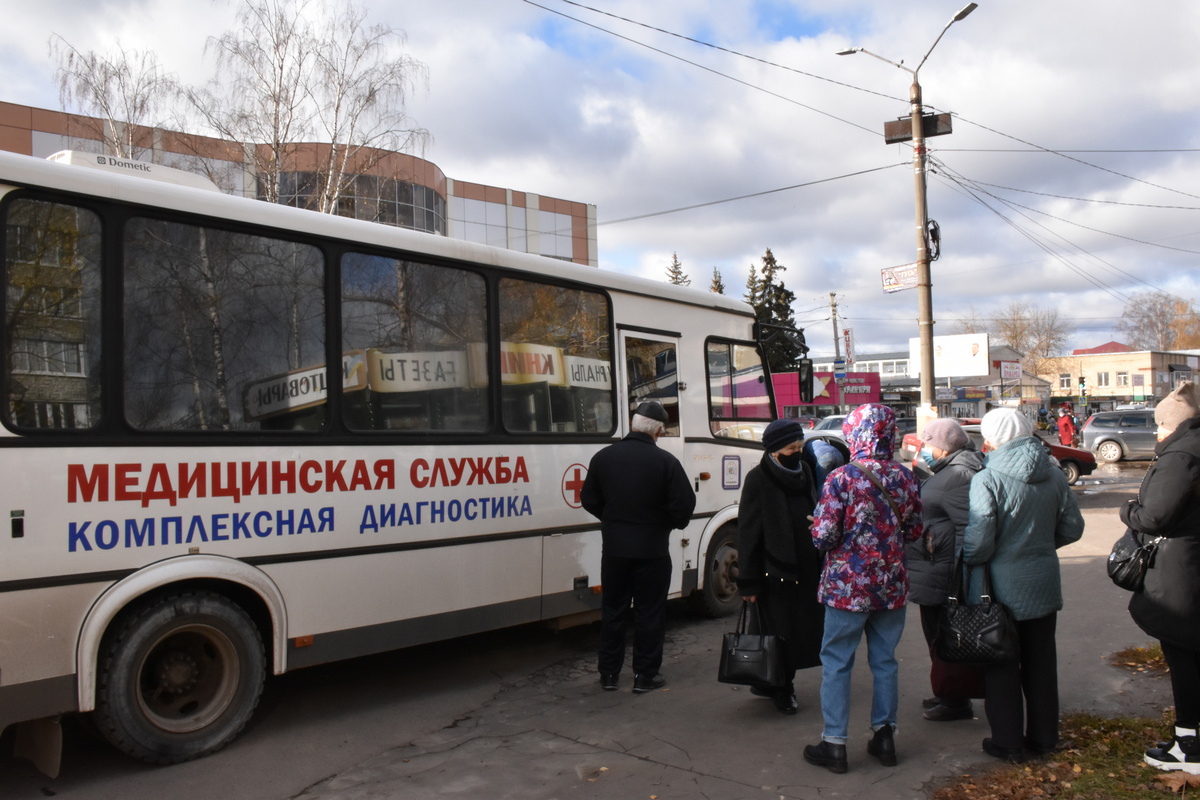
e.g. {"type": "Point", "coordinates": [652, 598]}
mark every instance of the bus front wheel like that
{"type": "Point", "coordinates": [719, 597]}
{"type": "Point", "coordinates": [179, 677]}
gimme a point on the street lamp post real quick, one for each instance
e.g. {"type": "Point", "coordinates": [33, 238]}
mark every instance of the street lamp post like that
{"type": "Point", "coordinates": [924, 277]}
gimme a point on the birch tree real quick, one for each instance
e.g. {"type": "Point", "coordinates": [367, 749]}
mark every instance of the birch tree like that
{"type": "Point", "coordinates": [122, 90]}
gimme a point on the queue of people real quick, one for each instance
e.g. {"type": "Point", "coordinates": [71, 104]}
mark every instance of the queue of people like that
{"type": "Point", "coordinates": [833, 552]}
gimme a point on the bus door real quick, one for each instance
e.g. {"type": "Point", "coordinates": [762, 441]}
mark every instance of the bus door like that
{"type": "Point", "coordinates": [651, 372]}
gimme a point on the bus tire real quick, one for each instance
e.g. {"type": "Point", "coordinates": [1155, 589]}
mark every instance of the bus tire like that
{"type": "Point", "coordinates": [718, 596]}
{"type": "Point", "coordinates": [179, 677]}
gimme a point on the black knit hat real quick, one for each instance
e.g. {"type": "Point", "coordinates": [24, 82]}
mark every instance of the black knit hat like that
{"type": "Point", "coordinates": [780, 433]}
{"type": "Point", "coordinates": [653, 410]}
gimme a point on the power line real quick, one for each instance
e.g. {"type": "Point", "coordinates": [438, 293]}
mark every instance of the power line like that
{"type": "Point", "coordinates": [747, 196]}
{"type": "Point", "coordinates": [701, 66]}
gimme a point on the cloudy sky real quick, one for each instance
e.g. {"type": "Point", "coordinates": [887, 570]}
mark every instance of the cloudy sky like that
{"type": "Point", "coordinates": [716, 130]}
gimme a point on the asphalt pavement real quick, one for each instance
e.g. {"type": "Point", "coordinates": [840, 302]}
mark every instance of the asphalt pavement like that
{"type": "Point", "coordinates": [556, 734]}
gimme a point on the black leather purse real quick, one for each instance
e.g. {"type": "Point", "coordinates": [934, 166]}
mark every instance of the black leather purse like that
{"type": "Point", "coordinates": [751, 659]}
{"type": "Point", "coordinates": [1131, 556]}
{"type": "Point", "coordinates": [983, 634]}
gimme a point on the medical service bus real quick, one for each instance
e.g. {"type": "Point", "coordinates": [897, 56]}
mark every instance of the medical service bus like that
{"type": "Point", "coordinates": [239, 438]}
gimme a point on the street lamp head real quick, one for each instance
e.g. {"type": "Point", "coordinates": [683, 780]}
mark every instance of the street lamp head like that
{"type": "Point", "coordinates": [967, 9]}
{"type": "Point", "coordinates": [849, 51]}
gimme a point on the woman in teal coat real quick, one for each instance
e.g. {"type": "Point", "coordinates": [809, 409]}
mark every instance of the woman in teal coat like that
{"type": "Point", "coordinates": [1021, 512]}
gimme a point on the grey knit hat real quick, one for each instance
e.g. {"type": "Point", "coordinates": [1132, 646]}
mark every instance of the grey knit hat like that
{"type": "Point", "coordinates": [1181, 404]}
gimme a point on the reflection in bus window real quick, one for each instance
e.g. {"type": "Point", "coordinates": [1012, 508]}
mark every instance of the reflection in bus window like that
{"type": "Point", "coordinates": [52, 307]}
{"type": "Point", "coordinates": [653, 374]}
{"type": "Point", "coordinates": [555, 358]}
{"type": "Point", "coordinates": [223, 331]}
{"type": "Point", "coordinates": [737, 387]}
{"type": "Point", "coordinates": [414, 346]}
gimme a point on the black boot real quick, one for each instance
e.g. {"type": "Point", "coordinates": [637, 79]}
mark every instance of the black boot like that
{"type": "Point", "coordinates": [828, 755]}
{"type": "Point", "coordinates": [883, 746]}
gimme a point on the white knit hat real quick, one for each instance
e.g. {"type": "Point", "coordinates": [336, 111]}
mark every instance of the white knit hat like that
{"type": "Point", "coordinates": [1001, 425]}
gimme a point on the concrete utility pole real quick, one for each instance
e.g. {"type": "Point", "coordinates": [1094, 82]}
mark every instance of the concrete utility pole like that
{"type": "Point", "coordinates": [927, 410]}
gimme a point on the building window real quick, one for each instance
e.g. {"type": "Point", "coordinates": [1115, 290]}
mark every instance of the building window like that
{"type": "Point", "coordinates": [1064, 380]}
{"type": "Point", "coordinates": [1102, 380]}
{"type": "Point", "coordinates": [1122, 379]}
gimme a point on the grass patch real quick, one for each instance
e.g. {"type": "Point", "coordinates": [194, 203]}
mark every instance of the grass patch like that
{"type": "Point", "coordinates": [1102, 762]}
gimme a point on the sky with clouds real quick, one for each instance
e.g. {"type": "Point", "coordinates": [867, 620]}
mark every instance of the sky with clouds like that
{"type": "Point", "coordinates": [1071, 181]}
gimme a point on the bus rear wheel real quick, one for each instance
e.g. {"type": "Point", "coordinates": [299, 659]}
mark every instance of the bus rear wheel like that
{"type": "Point", "coordinates": [179, 677]}
{"type": "Point", "coordinates": [719, 597]}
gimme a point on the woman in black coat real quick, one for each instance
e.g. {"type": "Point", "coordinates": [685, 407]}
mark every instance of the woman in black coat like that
{"type": "Point", "coordinates": [945, 500]}
{"type": "Point", "coordinates": [1168, 607]}
{"type": "Point", "coordinates": [778, 566]}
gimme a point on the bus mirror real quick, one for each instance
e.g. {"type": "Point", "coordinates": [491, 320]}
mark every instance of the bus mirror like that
{"type": "Point", "coordinates": [804, 374]}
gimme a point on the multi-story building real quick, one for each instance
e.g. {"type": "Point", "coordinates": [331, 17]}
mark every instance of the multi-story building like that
{"type": "Point", "coordinates": [1105, 377]}
{"type": "Point", "coordinates": [392, 188]}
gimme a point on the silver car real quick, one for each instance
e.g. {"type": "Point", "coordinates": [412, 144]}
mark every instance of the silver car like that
{"type": "Point", "coordinates": [1114, 435]}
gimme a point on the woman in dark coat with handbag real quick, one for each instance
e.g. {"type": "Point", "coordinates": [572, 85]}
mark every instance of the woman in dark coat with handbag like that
{"type": "Point", "coordinates": [778, 566]}
{"type": "Point", "coordinates": [945, 501]}
{"type": "Point", "coordinates": [1168, 606]}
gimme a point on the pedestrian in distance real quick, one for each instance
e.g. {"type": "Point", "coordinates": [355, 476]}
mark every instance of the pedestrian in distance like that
{"type": "Point", "coordinates": [867, 510]}
{"type": "Point", "coordinates": [1021, 512]}
{"type": "Point", "coordinates": [1066, 428]}
{"type": "Point", "coordinates": [1168, 606]}
{"type": "Point", "coordinates": [639, 493]}
{"type": "Point", "coordinates": [778, 566]}
{"type": "Point", "coordinates": [945, 500]}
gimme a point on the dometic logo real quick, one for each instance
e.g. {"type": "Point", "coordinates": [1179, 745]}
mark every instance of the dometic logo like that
{"type": "Point", "coordinates": [136, 166]}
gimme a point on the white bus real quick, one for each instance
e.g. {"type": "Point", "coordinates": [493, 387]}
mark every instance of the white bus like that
{"type": "Point", "coordinates": [240, 438]}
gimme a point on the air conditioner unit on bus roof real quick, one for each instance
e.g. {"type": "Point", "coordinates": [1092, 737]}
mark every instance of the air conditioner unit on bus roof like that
{"type": "Point", "coordinates": [128, 166]}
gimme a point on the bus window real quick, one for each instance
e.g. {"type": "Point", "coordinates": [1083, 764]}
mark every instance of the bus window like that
{"type": "Point", "coordinates": [52, 303]}
{"type": "Point", "coordinates": [737, 387]}
{"type": "Point", "coordinates": [555, 358]}
{"type": "Point", "coordinates": [653, 374]}
{"type": "Point", "coordinates": [223, 331]}
{"type": "Point", "coordinates": [419, 334]}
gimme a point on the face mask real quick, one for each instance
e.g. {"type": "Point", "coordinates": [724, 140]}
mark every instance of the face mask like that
{"type": "Point", "coordinates": [790, 462]}
{"type": "Point", "coordinates": [927, 457]}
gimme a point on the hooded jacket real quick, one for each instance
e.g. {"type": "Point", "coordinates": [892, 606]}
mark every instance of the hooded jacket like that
{"type": "Point", "coordinates": [945, 498]}
{"type": "Point", "coordinates": [863, 538]}
{"type": "Point", "coordinates": [1168, 504]}
{"type": "Point", "coordinates": [1021, 512]}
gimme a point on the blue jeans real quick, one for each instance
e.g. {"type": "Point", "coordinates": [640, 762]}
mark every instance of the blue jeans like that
{"type": "Point", "coordinates": [843, 632]}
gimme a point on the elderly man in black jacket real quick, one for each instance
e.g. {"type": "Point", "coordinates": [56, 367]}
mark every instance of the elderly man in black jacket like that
{"type": "Point", "coordinates": [639, 493]}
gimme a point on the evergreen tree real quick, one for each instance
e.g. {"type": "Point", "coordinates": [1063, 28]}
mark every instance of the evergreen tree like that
{"type": "Point", "coordinates": [717, 286]}
{"type": "Point", "coordinates": [772, 303]}
{"type": "Point", "coordinates": [675, 272]}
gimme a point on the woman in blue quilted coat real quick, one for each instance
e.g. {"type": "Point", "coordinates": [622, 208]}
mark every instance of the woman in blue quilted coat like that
{"type": "Point", "coordinates": [1021, 512]}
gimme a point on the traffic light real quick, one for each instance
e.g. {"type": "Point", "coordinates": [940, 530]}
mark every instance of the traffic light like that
{"type": "Point", "coordinates": [1082, 386]}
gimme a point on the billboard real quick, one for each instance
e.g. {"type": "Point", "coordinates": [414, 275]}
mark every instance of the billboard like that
{"type": "Point", "coordinates": [961, 356]}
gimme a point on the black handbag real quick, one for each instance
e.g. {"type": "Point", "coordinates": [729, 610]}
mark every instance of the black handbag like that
{"type": "Point", "coordinates": [752, 659]}
{"type": "Point", "coordinates": [1130, 558]}
{"type": "Point", "coordinates": [983, 634]}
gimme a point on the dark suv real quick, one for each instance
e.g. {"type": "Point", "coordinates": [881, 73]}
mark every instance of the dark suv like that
{"type": "Point", "coordinates": [1114, 435]}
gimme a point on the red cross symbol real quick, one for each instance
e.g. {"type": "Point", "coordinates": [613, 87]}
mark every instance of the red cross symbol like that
{"type": "Point", "coordinates": [572, 484]}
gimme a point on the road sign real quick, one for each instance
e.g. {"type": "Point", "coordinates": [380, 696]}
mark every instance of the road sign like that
{"type": "Point", "coordinates": [896, 279]}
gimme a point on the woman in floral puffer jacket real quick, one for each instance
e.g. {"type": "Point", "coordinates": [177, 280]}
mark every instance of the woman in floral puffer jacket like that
{"type": "Point", "coordinates": [868, 509]}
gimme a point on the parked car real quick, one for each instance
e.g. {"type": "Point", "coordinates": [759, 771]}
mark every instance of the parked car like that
{"type": "Point", "coordinates": [1074, 462]}
{"type": "Point", "coordinates": [1115, 435]}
